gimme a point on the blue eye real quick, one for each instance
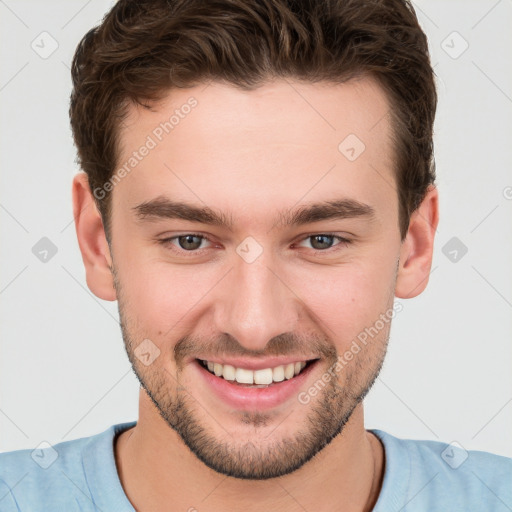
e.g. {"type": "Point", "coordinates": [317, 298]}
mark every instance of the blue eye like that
{"type": "Point", "coordinates": [191, 242]}
{"type": "Point", "coordinates": [324, 241]}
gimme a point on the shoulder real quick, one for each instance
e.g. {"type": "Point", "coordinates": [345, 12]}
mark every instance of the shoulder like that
{"type": "Point", "coordinates": [30, 477]}
{"type": "Point", "coordinates": [50, 477]}
{"type": "Point", "coordinates": [433, 475]}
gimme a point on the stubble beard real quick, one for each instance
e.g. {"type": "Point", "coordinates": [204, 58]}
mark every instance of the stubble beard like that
{"type": "Point", "coordinates": [272, 456]}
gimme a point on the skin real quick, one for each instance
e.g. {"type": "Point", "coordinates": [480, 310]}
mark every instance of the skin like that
{"type": "Point", "coordinates": [251, 154]}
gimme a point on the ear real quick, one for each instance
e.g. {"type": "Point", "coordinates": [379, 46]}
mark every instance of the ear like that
{"type": "Point", "coordinates": [417, 248]}
{"type": "Point", "coordinates": [92, 240]}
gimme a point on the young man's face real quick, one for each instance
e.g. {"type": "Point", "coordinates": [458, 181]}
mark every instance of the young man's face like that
{"type": "Point", "coordinates": [263, 287]}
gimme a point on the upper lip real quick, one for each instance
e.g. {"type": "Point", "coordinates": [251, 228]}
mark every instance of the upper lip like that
{"type": "Point", "coordinates": [257, 364]}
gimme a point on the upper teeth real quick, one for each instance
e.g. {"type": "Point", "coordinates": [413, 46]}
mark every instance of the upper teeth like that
{"type": "Point", "coordinates": [264, 376]}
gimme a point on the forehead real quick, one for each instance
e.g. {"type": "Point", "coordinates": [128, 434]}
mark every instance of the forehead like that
{"type": "Point", "coordinates": [277, 144]}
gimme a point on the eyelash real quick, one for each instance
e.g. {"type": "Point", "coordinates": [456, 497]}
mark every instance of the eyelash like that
{"type": "Point", "coordinates": [167, 242]}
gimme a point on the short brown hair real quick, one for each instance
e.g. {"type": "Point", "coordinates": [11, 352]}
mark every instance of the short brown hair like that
{"type": "Point", "coordinates": [144, 49]}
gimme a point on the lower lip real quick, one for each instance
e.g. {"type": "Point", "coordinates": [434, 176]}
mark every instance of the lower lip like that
{"type": "Point", "coordinates": [250, 399]}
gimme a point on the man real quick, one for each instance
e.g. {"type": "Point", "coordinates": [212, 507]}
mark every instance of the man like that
{"type": "Point", "coordinates": [258, 187]}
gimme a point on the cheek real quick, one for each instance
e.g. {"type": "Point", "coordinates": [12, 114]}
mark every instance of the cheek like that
{"type": "Point", "coordinates": [346, 299]}
{"type": "Point", "coordinates": [161, 297]}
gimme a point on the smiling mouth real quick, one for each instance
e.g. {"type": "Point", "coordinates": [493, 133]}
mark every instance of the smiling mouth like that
{"type": "Point", "coordinates": [256, 378]}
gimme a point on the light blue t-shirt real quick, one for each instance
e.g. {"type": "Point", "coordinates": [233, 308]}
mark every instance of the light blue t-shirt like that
{"type": "Point", "coordinates": [430, 476]}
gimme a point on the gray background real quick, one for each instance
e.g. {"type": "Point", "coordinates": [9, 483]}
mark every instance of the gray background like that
{"type": "Point", "coordinates": [63, 370]}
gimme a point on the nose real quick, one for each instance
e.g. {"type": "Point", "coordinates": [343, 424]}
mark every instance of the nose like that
{"type": "Point", "coordinates": [254, 304]}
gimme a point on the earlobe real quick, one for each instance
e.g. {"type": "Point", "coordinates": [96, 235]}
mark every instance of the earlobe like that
{"type": "Point", "coordinates": [417, 248]}
{"type": "Point", "coordinates": [92, 240]}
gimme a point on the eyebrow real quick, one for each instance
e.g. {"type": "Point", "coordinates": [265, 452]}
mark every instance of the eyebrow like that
{"type": "Point", "coordinates": [164, 208]}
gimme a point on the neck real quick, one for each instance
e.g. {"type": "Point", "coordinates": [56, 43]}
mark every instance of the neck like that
{"type": "Point", "coordinates": [156, 468]}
